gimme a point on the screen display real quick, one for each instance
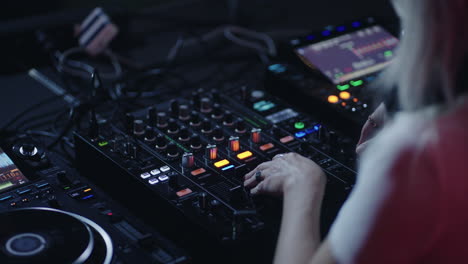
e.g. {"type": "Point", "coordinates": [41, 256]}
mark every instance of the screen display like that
{"type": "Point", "coordinates": [351, 56]}
{"type": "Point", "coordinates": [10, 175]}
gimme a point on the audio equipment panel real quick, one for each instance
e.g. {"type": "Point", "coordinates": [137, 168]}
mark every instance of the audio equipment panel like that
{"type": "Point", "coordinates": [50, 214]}
{"type": "Point", "coordinates": [181, 163]}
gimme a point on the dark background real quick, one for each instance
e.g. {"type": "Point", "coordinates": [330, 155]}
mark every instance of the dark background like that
{"type": "Point", "coordinates": [148, 30]}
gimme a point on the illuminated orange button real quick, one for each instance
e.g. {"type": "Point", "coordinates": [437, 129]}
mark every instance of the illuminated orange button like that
{"type": "Point", "coordinates": [198, 171]}
{"type": "Point", "coordinates": [87, 190]}
{"type": "Point", "coordinates": [343, 104]}
{"type": "Point", "coordinates": [244, 155]}
{"type": "Point", "coordinates": [184, 192]}
{"type": "Point", "coordinates": [355, 100]}
{"type": "Point", "coordinates": [221, 163]}
{"type": "Point", "coordinates": [345, 95]}
{"type": "Point", "coordinates": [267, 146]}
{"type": "Point", "coordinates": [287, 139]}
{"type": "Point", "coordinates": [333, 99]}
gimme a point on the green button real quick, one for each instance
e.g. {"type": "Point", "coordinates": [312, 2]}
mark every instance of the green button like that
{"type": "Point", "coordinates": [299, 125]}
{"type": "Point", "coordinates": [103, 143]}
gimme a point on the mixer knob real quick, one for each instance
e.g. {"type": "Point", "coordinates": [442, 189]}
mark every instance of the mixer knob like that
{"type": "Point", "coordinates": [218, 134]}
{"type": "Point", "coordinates": [240, 126]}
{"type": "Point", "coordinates": [184, 134]}
{"type": "Point", "coordinates": [161, 119]}
{"type": "Point", "coordinates": [211, 152]}
{"type": "Point", "coordinates": [206, 126]}
{"type": "Point", "coordinates": [228, 118]}
{"type": "Point", "coordinates": [28, 150]}
{"type": "Point", "coordinates": [203, 201]}
{"type": "Point", "coordinates": [188, 160]}
{"type": "Point", "coordinates": [184, 112]}
{"type": "Point", "coordinates": [195, 142]}
{"type": "Point", "coordinates": [194, 119]}
{"type": "Point", "coordinates": [152, 116]}
{"type": "Point", "coordinates": [129, 119]}
{"type": "Point", "coordinates": [205, 105]}
{"type": "Point", "coordinates": [196, 100]}
{"type": "Point", "coordinates": [138, 127]}
{"type": "Point", "coordinates": [150, 135]}
{"type": "Point", "coordinates": [172, 150]}
{"type": "Point", "coordinates": [234, 144]}
{"type": "Point", "coordinates": [256, 135]}
{"type": "Point", "coordinates": [217, 111]}
{"type": "Point", "coordinates": [161, 141]}
{"type": "Point", "coordinates": [174, 108]}
{"type": "Point", "coordinates": [172, 127]}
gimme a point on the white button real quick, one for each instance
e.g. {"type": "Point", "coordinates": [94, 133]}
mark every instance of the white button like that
{"type": "Point", "coordinates": [153, 181]}
{"type": "Point", "coordinates": [145, 175]}
{"type": "Point", "coordinates": [165, 168]}
{"type": "Point", "coordinates": [155, 172]}
{"type": "Point", "coordinates": [163, 178]}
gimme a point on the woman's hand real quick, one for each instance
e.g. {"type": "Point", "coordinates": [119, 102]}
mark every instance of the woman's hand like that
{"type": "Point", "coordinates": [373, 124]}
{"type": "Point", "coordinates": [285, 172]}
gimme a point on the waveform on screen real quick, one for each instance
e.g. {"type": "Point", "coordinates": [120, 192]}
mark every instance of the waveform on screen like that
{"type": "Point", "coordinates": [387, 43]}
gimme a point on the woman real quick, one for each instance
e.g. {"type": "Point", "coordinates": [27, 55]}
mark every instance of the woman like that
{"type": "Point", "coordinates": [410, 201]}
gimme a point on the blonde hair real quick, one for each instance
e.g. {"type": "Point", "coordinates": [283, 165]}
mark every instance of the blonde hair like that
{"type": "Point", "coordinates": [432, 52]}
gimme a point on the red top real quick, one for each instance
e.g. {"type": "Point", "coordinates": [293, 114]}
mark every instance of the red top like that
{"type": "Point", "coordinates": [410, 204]}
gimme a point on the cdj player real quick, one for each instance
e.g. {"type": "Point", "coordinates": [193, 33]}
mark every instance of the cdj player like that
{"type": "Point", "coordinates": [332, 70]}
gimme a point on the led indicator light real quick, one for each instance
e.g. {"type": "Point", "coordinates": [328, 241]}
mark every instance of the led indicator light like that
{"type": "Point", "coordinates": [355, 100]}
{"type": "Point", "coordinates": [388, 53]}
{"type": "Point", "coordinates": [343, 87]}
{"type": "Point", "coordinates": [267, 146]}
{"type": "Point", "coordinates": [341, 28]}
{"type": "Point", "coordinates": [300, 134]}
{"type": "Point", "coordinates": [227, 168]}
{"type": "Point", "coordinates": [299, 125]}
{"type": "Point", "coordinates": [343, 104]}
{"type": "Point", "coordinates": [333, 99]}
{"type": "Point", "coordinates": [357, 83]}
{"type": "Point", "coordinates": [317, 127]}
{"type": "Point", "coordinates": [103, 143]}
{"type": "Point", "coordinates": [244, 155]}
{"type": "Point", "coordinates": [87, 190]}
{"type": "Point", "coordinates": [356, 24]}
{"type": "Point", "coordinates": [310, 37]}
{"type": "Point", "coordinates": [345, 95]}
{"type": "Point", "coordinates": [221, 163]}
{"type": "Point", "coordinates": [326, 33]}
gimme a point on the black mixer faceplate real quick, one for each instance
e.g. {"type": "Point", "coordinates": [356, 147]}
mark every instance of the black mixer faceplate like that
{"type": "Point", "coordinates": [43, 235]}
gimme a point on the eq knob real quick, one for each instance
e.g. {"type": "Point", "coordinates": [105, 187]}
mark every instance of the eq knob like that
{"type": "Point", "coordinates": [184, 134]}
{"type": "Point", "coordinates": [172, 150]}
{"type": "Point", "coordinates": [152, 116]}
{"type": "Point", "coordinates": [218, 134]}
{"type": "Point", "coordinates": [161, 119]}
{"type": "Point", "coordinates": [161, 141]}
{"type": "Point", "coordinates": [234, 144]}
{"type": "Point", "coordinates": [240, 126]}
{"type": "Point", "coordinates": [206, 126]}
{"type": "Point", "coordinates": [138, 127]}
{"type": "Point", "coordinates": [194, 119]}
{"type": "Point", "coordinates": [195, 142]}
{"type": "Point", "coordinates": [228, 118]}
{"type": "Point", "coordinates": [172, 127]}
{"type": "Point", "coordinates": [28, 150]}
{"type": "Point", "coordinates": [184, 112]}
{"type": "Point", "coordinates": [196, 100]}
{"type": "Point", "coordinates": [150, 135]}
{"type": "Point", "coordinates": [217, 112]}
{"type": "Point", "coordinates": [174, 108]}
{"type": "Point", "coordinates": [205, 105]}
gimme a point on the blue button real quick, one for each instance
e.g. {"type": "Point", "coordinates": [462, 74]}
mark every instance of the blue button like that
{"type": "Point", "coordinates": [341, 28]}
{"type": "Point", "coordinates": [326, 33]}
{"type": "Point", "coordinates": [356, 24]}
{"type": "Point", "coordinates": [300, 134]}
{"type": "Point", "coordinates": [310, 37]}
{"type": "Point", "coordinates": [228, 167]}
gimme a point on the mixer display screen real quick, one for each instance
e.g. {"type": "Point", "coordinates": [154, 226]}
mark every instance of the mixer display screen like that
{"type": "Point", "coordinates": [10, 175]}
{"type": "Point", "coordinates": [351, 56]}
